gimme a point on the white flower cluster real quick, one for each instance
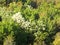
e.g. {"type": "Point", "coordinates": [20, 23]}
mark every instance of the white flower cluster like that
{"type": "Point", "coordinates": [41, 25]}
{"type": "Point", "coordinates": [27, 25]}
{"type": "Point", "coordinates": [19, 19]}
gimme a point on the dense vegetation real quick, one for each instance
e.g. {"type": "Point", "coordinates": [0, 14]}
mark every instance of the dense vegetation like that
{"type": "Point", "coordinates": [29, 22]}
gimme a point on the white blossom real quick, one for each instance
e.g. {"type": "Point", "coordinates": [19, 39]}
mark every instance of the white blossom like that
{"type": "Point", "coordinates": [43, 28]}
{"type": "Point", "coordinates": [19, 19]}
{"type": "Point", "coordinates": [26, 24]}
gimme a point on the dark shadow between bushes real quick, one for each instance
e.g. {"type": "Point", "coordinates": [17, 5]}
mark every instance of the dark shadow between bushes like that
{"type": "Point", "coordinates": [22, 37]}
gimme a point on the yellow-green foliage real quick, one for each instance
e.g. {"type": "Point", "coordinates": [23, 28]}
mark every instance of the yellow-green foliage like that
{"type": "Point", "coordinates": [39, 43]}
{"type": "Point", "coordinates": [15, 6]}
{"type": "Point", "coordinates": [9, 40]}
{"type": "Point", "coordinates": [57, 39]}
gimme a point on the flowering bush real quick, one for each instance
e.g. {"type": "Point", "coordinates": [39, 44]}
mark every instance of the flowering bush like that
{"type": "Point", "coordinates": [29, 25]}
{"type": "Point", "coordinates": [19, 19]}
{"type": "Point", "coordinates": [39, 29]}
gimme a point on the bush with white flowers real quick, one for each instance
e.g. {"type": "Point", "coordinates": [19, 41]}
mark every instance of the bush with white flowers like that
{"type": "Point", "coordinates": [20, 20]}
{"type": "Point", "coordinates": [32, 27]}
